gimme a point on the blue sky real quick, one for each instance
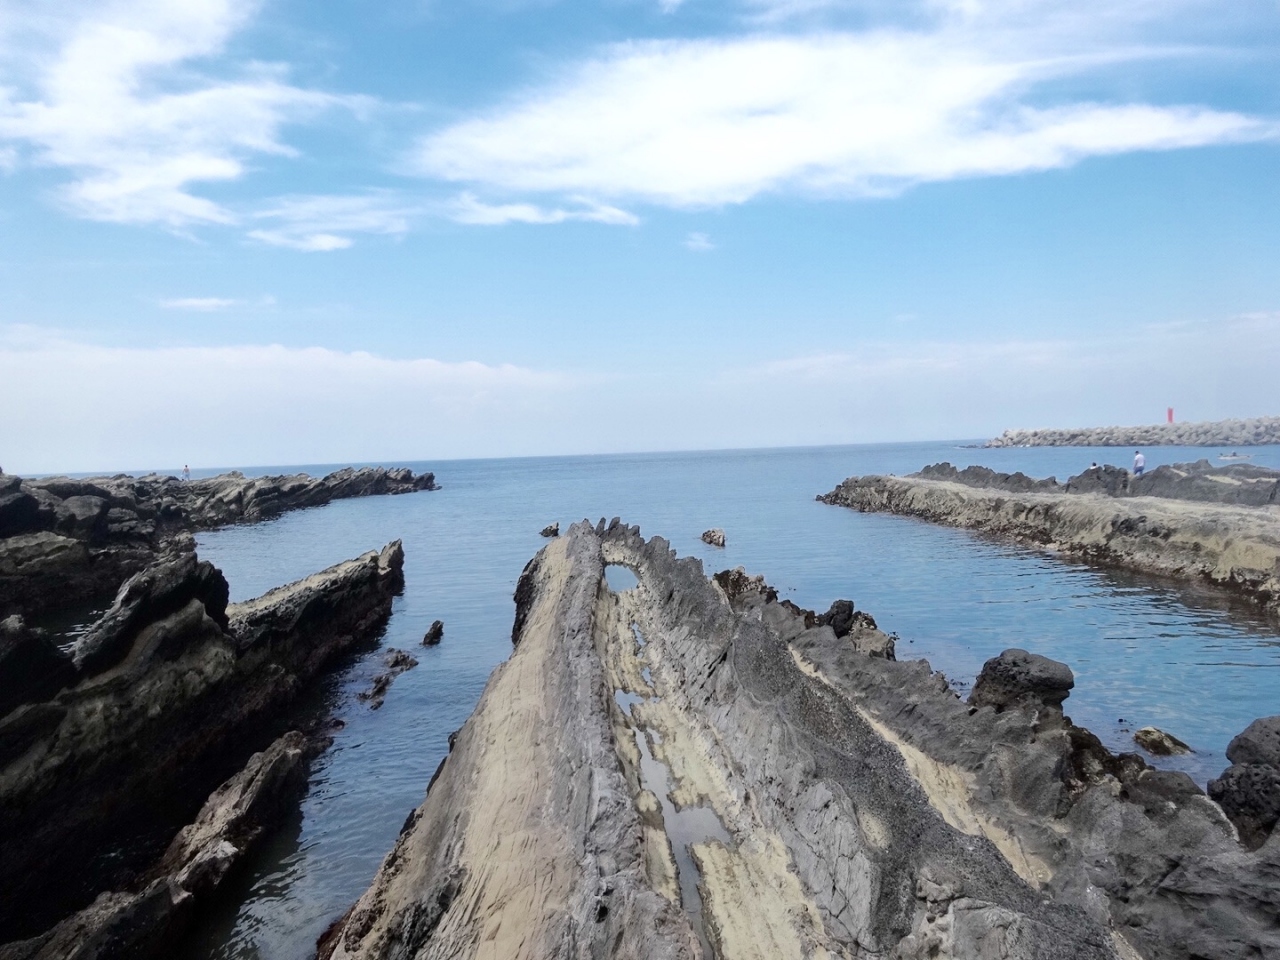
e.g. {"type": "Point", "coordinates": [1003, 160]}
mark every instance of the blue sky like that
{"type": "Point", "coordinates": [268, 232]}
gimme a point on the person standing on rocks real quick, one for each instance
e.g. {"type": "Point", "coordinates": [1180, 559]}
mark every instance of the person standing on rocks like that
{"type": "Point", "coordinates": [1139, 463]}
{"type": "Point", "coordinates": [186, 473]}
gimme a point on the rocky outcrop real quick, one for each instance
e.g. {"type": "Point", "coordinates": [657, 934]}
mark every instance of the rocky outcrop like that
{"type": "Point", "coordinates": [713, 537]}
{"type": "Point", "coordinates": [396, 662]}
{"type": "Point", "coordinates": [1234, 547]}
{"type": "Point", "coordinates": [1018, 678]}
{"type": "Point", "coordinates": [163, 698]}
{"type": "Point", "coordinates": [1158, 743]}
{"type": "Point", "coordinates": [551, 530]}
{"type": "Point", "coordinates": [690, 768]}
{"type": "Point", "coordinates": [65, 541]}
{"type": "Point", "coordinates": [1249, 790]}
{"type": "Point", "coordinates": [1241, 484]}
{"type": "Point", "coordinates": [434, 634]}
{"type": "Point", "coordinates": [1219, 433]}
{"type": "Point", "coordinates": [148, 919]}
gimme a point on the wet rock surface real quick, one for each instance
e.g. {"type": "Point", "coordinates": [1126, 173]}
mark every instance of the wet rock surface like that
{"type": "Point", "coordinates": [1227, 544]}
{"type": "Point", "coordinates": [165, 696]}
{"type": "Point", "coordinates": [859, 807]}
{"type": "Point", "coordinates": [65, 541]}
{"type": "Point", "coordinates": [1158, 743]}
{"type": "Point", "coordinates": [147, 919]}
{"type": "Point", "coordinates": [396, 662]}
{"type": "Point", "coordinates": [434, 634]}
{"type": "Point", "coordinates": [1217, 433]}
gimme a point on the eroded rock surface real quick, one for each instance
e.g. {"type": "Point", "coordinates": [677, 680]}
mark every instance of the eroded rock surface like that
{"type": "Point", "coordinates": [65, 541]}
{"type": "Point", "coordinates": [1235, 547]}
{"type": "Point", "coordinates": [829, 803]}
{"type": "Point", "coordinates": [163, 698]}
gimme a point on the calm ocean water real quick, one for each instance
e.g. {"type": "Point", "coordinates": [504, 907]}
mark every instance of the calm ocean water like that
{"type": "Point", "coordinates": [1188, 661]}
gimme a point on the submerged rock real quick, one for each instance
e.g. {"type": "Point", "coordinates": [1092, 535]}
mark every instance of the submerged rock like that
{"type": "Point", "coordinates": [714, 537]}
{"type": "Point", "coordinates": [1158, 743]}
{"type": "Point", "coordinates": [1019, 678]}
{"type": "Point", "coordinates": [397, 662]}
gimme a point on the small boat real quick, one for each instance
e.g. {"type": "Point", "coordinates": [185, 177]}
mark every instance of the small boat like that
{"type": "Point", "coordinates": [1235, 456]}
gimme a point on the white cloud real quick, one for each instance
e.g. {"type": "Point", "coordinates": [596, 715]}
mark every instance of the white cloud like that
{"type": "Point", "coordinates": [314, 405]}
{"type": "Point", "coordinates": [108, 92]}
{"type": "Point", "coordinates": [699, 242]}
{"type": "Point", "coordinates": [695, 122]}
{"type": "Point", "coordinates": [198, 304]}
{"type": "Point", "coordinates": [468, 209]}
{"type": "Point", "coordinates": [323, 223]}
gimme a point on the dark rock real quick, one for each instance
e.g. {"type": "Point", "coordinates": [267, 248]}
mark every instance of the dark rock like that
{"type": "Point", "coordinates": [162, 589]}
{"type": "Point", "coordinates": [83, 517]}
{"type": "Point", "coordinates": [397, 662]}
{"type": "Point", "coordinates": [1158, 743]}
{"type": "Point", "coordinates": [19, 513]}
{"type": "Point", "coordinates": [738, 586]}
{"type": "Point", "coordinates": [551, 529]}
{"type": "Point", "coordinates": [714, 537]}
{"type": "Point", "coordinates": [1249, 794]}
{"type": "Point", "coordinates": [32, 668]}
{"type": "Point", "coordinates": [1019, 678]}
{"type": "Point", "coordinates": [843, 618]}
{"type": "Point", "coordinates": [434, 634]}
{"type": "Point", "coordinates": [984, 477]}
{"type": "Point", "coordinates": [1258, 743]}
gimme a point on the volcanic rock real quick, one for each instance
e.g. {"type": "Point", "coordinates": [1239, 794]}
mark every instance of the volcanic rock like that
{"type": "Point", "coordinates": [551, 529]}
{"type": "Point", "coordinates": [434, 634]}
{"type": "Point", "coordinates": [1258, 743]}
{"type": "Point", "coordinates": [714, 537]}
{"type": "Point", "coordinates": [1019, 678]}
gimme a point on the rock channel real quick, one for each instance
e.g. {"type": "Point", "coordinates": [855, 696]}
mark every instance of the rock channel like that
{"type": "Point", "coordinates": [108, 748]}
{"type": "Point", "coordinates": [1197, 524]}
{"type": "Point", "coordinates": [827, 803]}
{"type": "Point", "coordinates": [65, 541]}
{"type": "Point", "coordinates": [1218, 433]}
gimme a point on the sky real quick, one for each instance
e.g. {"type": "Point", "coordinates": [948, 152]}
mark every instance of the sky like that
{"type": "Point", "coordinates": [239, 232]}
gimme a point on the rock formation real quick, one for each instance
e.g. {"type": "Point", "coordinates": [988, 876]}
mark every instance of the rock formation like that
{"type": "Point", "coordinates": [714, 537]}
{"type": "Point", "coordinates": [1220, 433]}
{"type": "Point", "coordinates": [1236, 547]}
{"type": "Point", "coordinates": [691, 768]}
{"type": "Point", "coordinates": [1249, 790]}
{"type": "Point", "coordinates": [396, 662]}
{"type": "Point", "coordinates": [148, 919]}
{"type": "Point", "coordinates": [1158, 743]}
{"type": "Point", "coordinates": [434, 634]}
{"type": "Point", "coordinates": [551, 530]}
{"type": "Point", "coordinates": [163, 698]}
{"type": "Point", "coordinates": [65, 541]}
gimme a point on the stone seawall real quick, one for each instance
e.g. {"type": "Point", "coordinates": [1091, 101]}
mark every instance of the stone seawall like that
{"type": "Point", "coordinates": [1219, 433]}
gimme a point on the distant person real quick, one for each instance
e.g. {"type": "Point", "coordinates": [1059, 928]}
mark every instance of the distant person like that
{"type": "Point", "coordinates": [186, 473]}
{"type": "Point", "coordinates": [1139, 463]}
{"type": "Point", "coordinates": [1094, 465]}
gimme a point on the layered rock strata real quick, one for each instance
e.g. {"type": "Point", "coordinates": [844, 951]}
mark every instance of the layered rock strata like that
{"type": "Point", "coordinates": [686, 770]}
{"type": "Point", "coordinates": [65, 541]}
{"type": "Point", "coordinates": [1234, 547]}
{"type": "Point", "coordinates": [1218, 433]}
{"type": "Point", "coordinates": [148, 919]}
{"type": "Point", "coordinates": [163, 698]}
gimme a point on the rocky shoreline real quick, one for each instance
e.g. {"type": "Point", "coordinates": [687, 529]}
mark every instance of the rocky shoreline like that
{"type": "Point", "coordinates": [1217, 433]}
{"type": "Point", "coordinates": [65, 541]}
{"type": "Point", "coordinates": [691, 765]}
{"type": "Point", "coordinates": [1220, 527]}
{"type": "Point", "coordinates": [111, 743]}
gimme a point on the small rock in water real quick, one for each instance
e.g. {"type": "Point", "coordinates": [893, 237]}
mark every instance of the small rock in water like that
{"type": "Point", "coordinates": [715, 537]}
{"type": "Point", "coordinates": [551, 529]}
{"type": "Point", "coordinates": [434, 634]}
{"type": "Point", "coordinates": [397, 661]}
{"type": "Point", "coordinates": [1158, 743]}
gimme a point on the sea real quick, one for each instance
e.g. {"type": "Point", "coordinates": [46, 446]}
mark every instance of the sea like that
{"type": "Point", "coordinates": [1189, 660]}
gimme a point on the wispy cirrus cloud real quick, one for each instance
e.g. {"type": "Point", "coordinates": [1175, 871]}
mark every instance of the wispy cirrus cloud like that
{"type": "Point", "coordinates": [198, 304]}
{"type": "Point", "coordinates": [468, 209]}
{"type": "Point", "coordinates": [113, 94]}
{"type": "Point", "coordinates": [323, 223]}
{"type": "Point", "coordinates": [687, 123]}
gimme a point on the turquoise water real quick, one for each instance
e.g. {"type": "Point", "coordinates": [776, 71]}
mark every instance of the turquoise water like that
{"type": "Point", "coordinates": [1191, 662]}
